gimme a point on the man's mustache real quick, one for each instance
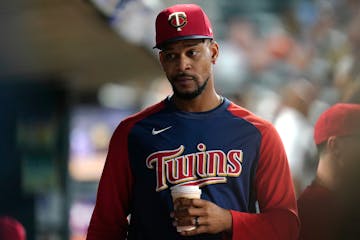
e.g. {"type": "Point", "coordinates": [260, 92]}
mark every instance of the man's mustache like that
{"type": "Point", "coordinates": [183, 75]}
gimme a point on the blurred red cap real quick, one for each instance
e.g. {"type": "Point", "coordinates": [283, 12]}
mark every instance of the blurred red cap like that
{"type": "Point", "coordinates": [11, 229]}
{"type": "Point", "coordinates": [182, 21]}
{"type": "Point", "coordinates": [341, 119]}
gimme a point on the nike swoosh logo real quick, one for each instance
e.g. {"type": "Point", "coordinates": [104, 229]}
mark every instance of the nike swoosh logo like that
{"type": "Point", "coordinates": [155, 132]}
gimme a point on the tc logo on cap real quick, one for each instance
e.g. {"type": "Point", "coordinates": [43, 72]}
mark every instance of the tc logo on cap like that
{"type": "Point", "coordinates": [177, 20]}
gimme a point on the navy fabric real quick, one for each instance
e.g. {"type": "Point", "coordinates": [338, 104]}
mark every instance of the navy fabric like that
{"type": "Point", "coordinates": [207, 136]}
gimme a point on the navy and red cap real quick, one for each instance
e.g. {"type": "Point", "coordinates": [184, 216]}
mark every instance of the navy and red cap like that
{"type": "Point", "coordinates": [182, 21]}
{"type": "Point", "coordinates": [341, 119]}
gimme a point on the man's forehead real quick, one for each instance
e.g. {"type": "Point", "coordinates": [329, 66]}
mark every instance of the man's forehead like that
{"type": "Point", "coordinates": [182, 44]}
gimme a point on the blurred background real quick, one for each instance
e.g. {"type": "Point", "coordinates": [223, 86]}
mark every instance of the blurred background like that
{"type": "Point", "coordinates": [71, 70]}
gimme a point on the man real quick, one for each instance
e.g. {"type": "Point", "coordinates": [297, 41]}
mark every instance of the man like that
{"type": "Point", "coordinates": [296, 131]}
{"type": "Point", "coordinates": [194, 137]}
{"type": "Point", "coordinates": [328, 206]}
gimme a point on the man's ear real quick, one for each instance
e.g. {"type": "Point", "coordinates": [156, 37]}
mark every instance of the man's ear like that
{"type": "Point", "coordinates": [161, 58]}
{"type": "Point", "coordinates": [214, 48]}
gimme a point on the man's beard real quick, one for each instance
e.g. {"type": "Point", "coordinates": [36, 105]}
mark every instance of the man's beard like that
{"type": "Point", "coordinates": [190, 95]}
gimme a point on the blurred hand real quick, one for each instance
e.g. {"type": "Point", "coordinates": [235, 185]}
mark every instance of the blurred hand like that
{"type": "Point", "coordinates": [211, 218]}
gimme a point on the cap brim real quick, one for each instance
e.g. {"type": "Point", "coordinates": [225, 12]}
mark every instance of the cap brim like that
{"type": "Point", "coordinates": [161, 45]}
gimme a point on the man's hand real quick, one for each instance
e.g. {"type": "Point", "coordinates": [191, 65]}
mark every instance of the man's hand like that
{"type": "Point", "coordinates": [205, 215]}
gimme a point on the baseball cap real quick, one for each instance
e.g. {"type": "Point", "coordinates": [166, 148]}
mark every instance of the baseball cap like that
{"type": "Point", "coordinates": [341, 119]}
{"type": "Point", "coordinates": [11, 228]}
{"type": "Point", "coordinates": [182, 21]}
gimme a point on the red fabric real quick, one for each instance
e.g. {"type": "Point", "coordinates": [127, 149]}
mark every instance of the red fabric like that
{"type": "Point", "coordinates": [278, 218]}
{"type": "Point", "coordinates": [115, 189]}
{"type": "Point", "coordinates": [182, 21]}
{"type": "Point", "coordinates": [11, 229]}
{"type": "Point", "coordinates": [319, 213]}
{"type": "Point", "coordinates": [339, 120]}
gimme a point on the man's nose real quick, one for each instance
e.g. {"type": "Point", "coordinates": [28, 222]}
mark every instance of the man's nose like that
{"type": "Point", "coordinates": [184, 63]}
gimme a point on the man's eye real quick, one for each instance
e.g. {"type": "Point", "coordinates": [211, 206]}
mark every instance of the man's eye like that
{"type": "Point", "coordinates": [193, 53]}
{"type": "Point", "coordinates": [170, 56]}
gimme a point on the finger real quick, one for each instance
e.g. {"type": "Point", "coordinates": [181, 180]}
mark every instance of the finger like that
{"type": "Point", "coordinates": [199, 203]}
{"type": "Point", "coordinates": [196, 212]}
{"type": "Point", "coordinates": [189, 212]}
{"type": "Point", "coordinates": [181, 203]}
{"type": "Point", "coordinates": [185, 221]}
{"type": "Point", "coordinates": [182, 212]}
{"type": "Point", "coordinates": [196, 221]}
{"type": "Point", "coordinates": [196, 231]}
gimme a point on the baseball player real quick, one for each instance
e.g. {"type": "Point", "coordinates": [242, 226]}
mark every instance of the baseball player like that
{"type": "Point", "coordinates": [328, 208]}
{"type": "Point", "coordinates": [197, 137]}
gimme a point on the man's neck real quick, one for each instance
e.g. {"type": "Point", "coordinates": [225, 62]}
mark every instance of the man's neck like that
{"type": "Point", "coordinates": [325, 175]}
{"type": "Point", "coordinates": [201, 103]}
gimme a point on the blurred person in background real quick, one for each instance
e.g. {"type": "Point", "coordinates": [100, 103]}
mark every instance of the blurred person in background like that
{"type": "Point", "coordinates": [11, 229]}
{"type": "Point", "coordinates": [354, 34]}
{"type": "Point", "coordinates": [197, 137]}
{"type": "Point", "coordinates": [353, 95]}
{"type": "Point", "coordinates": [232, 68]}
{"type": "Point", "coordinates": [296, 130]}
{"type": "Point", "coordinates": [347, 71]}
{"type": "Point", "coordinates": [328, 208]}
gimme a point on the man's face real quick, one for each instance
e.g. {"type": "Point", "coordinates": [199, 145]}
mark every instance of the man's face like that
{"type": "Point", "coordinates": [188, 66]}
{"type": "Point", "coordinates": [349, 148]}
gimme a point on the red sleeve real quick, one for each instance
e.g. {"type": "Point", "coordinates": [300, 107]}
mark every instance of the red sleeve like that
{"type": "Point", "coordinates": [109, 219]}
{"type": "Point", "coordinates": [278, 217]}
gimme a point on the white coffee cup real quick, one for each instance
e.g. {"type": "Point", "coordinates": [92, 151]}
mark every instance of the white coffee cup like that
{"type": "Point", "coordinates": [185, 191]}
